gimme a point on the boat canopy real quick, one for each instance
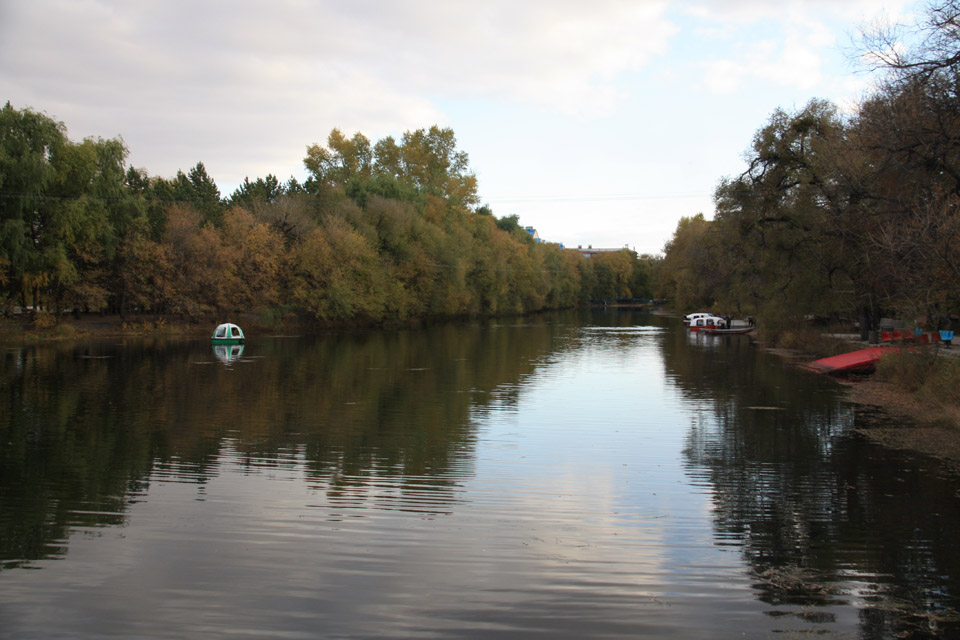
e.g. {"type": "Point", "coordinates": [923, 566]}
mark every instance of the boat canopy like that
{"type": "Point", "coordinates": [227, 331]}
{"type": "Point", "coordinates": [708, 321]}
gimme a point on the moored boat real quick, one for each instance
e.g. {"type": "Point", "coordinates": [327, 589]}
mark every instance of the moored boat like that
{"type": "Point", "coordinates": [707, 322]}
{"type": "Point", "coordinates": [861, 361]}
{"type": "Point", "coordinates": [227, 333]}
{"type": "Point", "coordinates": [690, 318]}
{"type": "Point", "coordinates": [731, 331]}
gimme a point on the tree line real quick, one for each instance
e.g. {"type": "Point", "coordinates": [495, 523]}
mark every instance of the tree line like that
{"type": "Point", "coordinates": [843, 215]}
{"type": "Point", "coordinates": [377, 232]}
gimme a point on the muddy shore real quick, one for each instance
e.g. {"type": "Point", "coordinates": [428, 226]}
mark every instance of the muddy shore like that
{"type": "Point", "coordinates": [906, 422]}
{"type": "Point", "coordinates": [913, 425]}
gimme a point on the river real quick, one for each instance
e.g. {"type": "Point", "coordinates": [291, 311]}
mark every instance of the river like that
{"type": "Point", "coordinates": [571, 475]}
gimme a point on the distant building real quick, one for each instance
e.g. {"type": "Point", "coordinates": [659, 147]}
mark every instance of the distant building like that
{"type": "Point", "coordinates": [536, 237]}
{"type": "Point", "coordinates": [590, 252]}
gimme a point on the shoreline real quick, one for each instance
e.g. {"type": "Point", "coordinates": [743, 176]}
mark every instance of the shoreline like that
{"type": "Point", "coordinates": [916, 426]}
{"type": "Point", "coordinates": [907, 423]}
{"type": "Point", "coordinates": [96, 326]}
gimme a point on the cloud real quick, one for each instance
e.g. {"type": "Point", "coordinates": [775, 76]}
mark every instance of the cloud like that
{"type": "Point", "coordinates": [791, 62]}
{"type": "Point", "coordinates": [184, 81]}
{"type": "Point", "coordinates": [784, 44]}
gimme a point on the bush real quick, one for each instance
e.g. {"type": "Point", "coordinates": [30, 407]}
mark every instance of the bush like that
{"type": "Point", "coordinates": [810, 340]}
{"type": "Point", "coordinates": [44, 320]}
{"type": "Point", "coordinates": [943, 385]}
{"type": "Point", "coordinates": [271, 317]}
{"type": "Point", "coordinates": [908, 369]}
{"type": "Point", "coordinates": [933, 378]}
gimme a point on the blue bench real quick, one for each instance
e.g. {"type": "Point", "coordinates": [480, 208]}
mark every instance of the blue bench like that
{"type": "Point", "coordinates": [946, 337]}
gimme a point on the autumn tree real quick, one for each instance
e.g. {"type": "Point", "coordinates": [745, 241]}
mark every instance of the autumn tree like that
{"type": "Point", "coordinates": [334, 275]}
{"type": "Point", "coordinates": [343, 159]}
{"type": "Point", "coordinates": [426, 162]}
{"type": "Point", "coordinates": [257, 252]}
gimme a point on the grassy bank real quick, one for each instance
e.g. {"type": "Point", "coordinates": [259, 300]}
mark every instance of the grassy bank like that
{"type": "Point", "coordinates": [930, 376]}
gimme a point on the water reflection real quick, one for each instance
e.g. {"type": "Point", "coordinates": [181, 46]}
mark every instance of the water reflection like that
{"type": "Point", "coordinates": [824, 519]}
{"type": "Point", "coordinates": [571, 475]}
{"type": "Point", "coordinates": [86, 428]}
{"type": "Point", "coordinates": [228, 353]}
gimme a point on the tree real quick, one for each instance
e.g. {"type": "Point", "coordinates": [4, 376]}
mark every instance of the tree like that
{"type": "Point", "coordinates": [334, 275]}
{"type": "Point", "coordinates": [908, 134]}
{"type": "Point", "coordinates": [258, 253]}
{"type": "Point", "coordinates": [344, 160]}
{"type": "Point", "coordinates": [28, 143]}
{"type": "Point", "coordinates": [936, 48]}
{"type": "Point", "coordinates": [94, 216]}
{"type": "Point", "coordinates": [426, 162]}
{"type": "Point", "coordinates": [431, 160]}
{"type": "Point", "coordinates": [781, 244]}
{"type": "Point", "coordinates": [263, 191]}
{"type": "Point", "coordinates": [687, 264]}
{"type": "Point", "coordinates": [203, 275]}
{"type": "Point", "coordinates": [197, 189]}
{"type": "Point", "coordinates": [510, 223]}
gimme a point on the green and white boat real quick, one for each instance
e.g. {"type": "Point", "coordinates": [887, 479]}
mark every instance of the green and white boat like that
{"type": "Point", "coordinates": [227, 333]}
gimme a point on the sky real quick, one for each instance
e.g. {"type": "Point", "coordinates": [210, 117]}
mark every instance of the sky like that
{"type": "Point", "coordinates": [599, 123]}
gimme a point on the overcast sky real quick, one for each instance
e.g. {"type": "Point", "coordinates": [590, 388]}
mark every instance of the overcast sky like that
{"type": "Point", "coordinates": [598, 122]}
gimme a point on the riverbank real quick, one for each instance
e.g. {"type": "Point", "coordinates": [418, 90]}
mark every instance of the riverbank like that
{"type": "Point", "coordinates": [49, 328]}
{"type": "Point", "coordinates": [906, 419]}
{"type": "Point", "coordinates": [908, 422]}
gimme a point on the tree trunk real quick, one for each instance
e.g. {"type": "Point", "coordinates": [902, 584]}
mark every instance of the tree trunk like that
{"type": "Point", "coordinates": [866, 322]}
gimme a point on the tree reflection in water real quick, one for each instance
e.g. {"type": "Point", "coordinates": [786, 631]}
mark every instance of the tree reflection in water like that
{"type": "Point", "coordinates": [86, 426]}
{"type": "Point", "coordinates": [823, 518]}
{"type": "Point", "coordinates": [387, 421]}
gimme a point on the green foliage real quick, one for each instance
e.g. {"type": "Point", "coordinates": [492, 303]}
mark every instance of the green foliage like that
{"type": "Point", "coordinates": [199, 190]}
{"type": "Point", "coordinates": [379, 232]}
{"type": "Point", "coordinates": [689, 267]}
{"type": "Point", "coordinates": [853, 217]}
{"type": "Point", "coordinates": [262, 191]}
{"type": "Point", "coordinates": [778, 228]}
{"type": "Point", "coordinates": [29, 143]}
{"type": "Point", "coordinates": [510, 223]}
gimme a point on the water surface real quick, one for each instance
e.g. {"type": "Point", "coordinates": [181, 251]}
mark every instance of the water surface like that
{"type": "Point", "coordinates": [571, 475]}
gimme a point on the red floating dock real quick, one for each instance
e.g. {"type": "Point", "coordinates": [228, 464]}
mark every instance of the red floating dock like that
{"type": "Point", "coordinates": [862, 361]}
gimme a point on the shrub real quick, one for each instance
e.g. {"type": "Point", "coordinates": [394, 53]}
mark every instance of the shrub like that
{"type": "Point", "coordinates": [908, 369]}
{"type": "Point", "coordinates": [44, 320]}
{"type": "Point", "coordinates": [935, 379]}
{"type": "Point", "coordinates": [943, 384]}
{"type": "Point", "coordinates": [810, 340]}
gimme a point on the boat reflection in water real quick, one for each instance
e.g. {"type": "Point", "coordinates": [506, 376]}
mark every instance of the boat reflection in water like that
{"type": "Point", "coordinates": [565, 475]}
{"type": "Point", "coordinates": [228, 353]}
